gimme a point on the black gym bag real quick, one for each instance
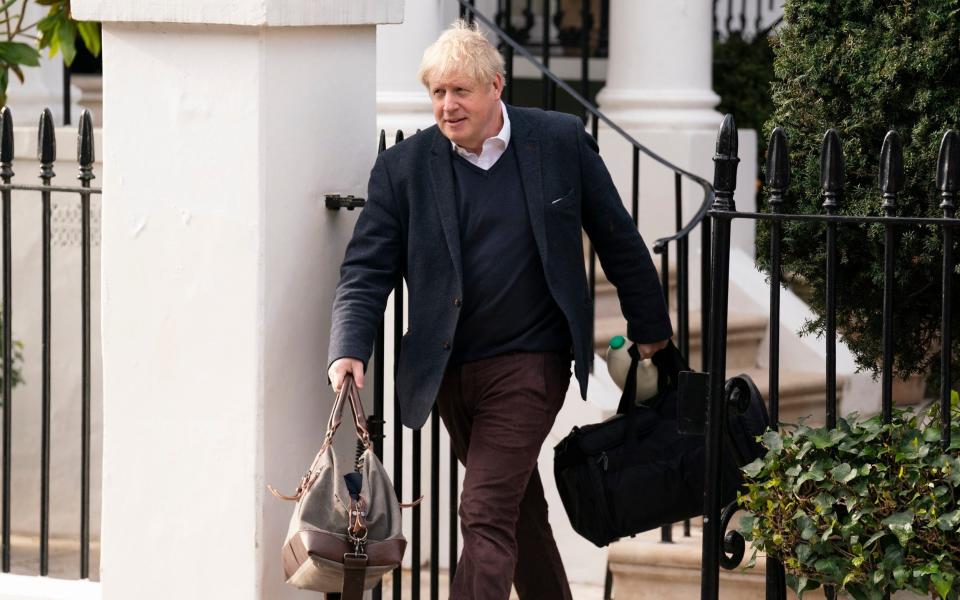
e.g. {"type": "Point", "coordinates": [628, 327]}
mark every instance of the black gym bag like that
{"type": "Point", "coordinates": [636, 471]}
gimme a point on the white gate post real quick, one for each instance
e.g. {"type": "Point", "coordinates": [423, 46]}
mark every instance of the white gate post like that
{"type": "Point", "coordinates": [659, 89]}
{"type": "Point", "coordinates": [225, 122]}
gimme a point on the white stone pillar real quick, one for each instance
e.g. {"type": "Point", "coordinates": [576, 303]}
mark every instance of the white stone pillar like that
{"type": "Point", "coordinates": [659, 72]}
{"type": "Point", "coordinates": [659, 89]}
{"type": "Point", "coordinates": [225, 122]}
{"type": "Point", "coordinates": [402, 101]}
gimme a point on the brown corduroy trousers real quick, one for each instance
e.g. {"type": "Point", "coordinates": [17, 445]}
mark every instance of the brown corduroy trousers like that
{"type": "Point", "coordinates": [498, 412]}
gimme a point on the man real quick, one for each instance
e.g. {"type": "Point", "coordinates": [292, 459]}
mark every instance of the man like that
{"type": "Point", "coordinates": [482, 215]}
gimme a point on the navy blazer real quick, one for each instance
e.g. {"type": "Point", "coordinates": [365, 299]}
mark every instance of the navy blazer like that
{"type": "Point", "coordinates": [409, 229]}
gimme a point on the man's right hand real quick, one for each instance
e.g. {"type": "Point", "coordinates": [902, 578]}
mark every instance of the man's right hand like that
{"type": "Point", "coordinates": [339, 369]}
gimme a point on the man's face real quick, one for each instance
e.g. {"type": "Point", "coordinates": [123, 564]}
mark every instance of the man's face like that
{"type": "Point", "coordinates": [466, 111]}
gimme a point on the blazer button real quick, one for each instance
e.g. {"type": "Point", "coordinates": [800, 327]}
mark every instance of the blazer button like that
{"type": "Point", "coordinates": [446, 345]}
{"type": "Point", "coordinates": [457, 302]}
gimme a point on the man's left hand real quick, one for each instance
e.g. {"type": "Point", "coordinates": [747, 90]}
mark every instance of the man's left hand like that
{"type": "Point", "coordinates": [648, 350]}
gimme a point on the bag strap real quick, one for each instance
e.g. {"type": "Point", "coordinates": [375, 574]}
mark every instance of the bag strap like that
{"type": "Point", "coordinates": [628, 399]}
{"type": "Point", "coordinates": [354, 574]}
{"type": "Point", "coordinates": [669, 363]}
{"type": "Point", "coordinates": [348, 393]}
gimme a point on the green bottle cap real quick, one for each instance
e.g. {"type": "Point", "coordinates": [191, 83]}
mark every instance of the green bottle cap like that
{"type": "Point", "coordinates": [617, 342]}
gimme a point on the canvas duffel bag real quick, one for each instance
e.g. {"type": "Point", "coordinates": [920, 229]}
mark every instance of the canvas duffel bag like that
{"type": "Point", "coordinates": [345, 532]}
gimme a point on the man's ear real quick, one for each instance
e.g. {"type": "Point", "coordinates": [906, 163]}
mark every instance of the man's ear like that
{"type": "Point", "coordinates": [498, 85]}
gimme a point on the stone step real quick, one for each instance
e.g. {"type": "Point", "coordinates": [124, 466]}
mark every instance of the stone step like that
{"type": "Point", "coordinates": [644, 568]}
{"type": "Point", "coordinates": [744, 334]}
{"type": "Point", "coordinates": [579, 591]}
{"type": "Point", "coordinates": [802, 394]}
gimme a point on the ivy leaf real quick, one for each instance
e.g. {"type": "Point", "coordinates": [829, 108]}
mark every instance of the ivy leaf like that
{"type": "Point", "coordinates": [901, 524]}
{"type": "Point", "coordinates": [949, 521]}
{"type": "Point", "coordinates": [843, 473]}
{"type": "Point", "coordinates": [828, 566]}
{"type": "Point", "coordinates": [826, 438]}
{"type": "Point", "coordinates": [773, 442]}
{"type": "Point", "coordinates": [753, 469]}
{"type": "Point", "coordinates": [874, 538]}
{"type": "Point", "coordinates": [824, 503]}
{"type": "Point", "coordinates": [942, 582]}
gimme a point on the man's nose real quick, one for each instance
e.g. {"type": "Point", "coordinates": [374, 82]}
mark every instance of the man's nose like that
{"type": "Point", "coordinates": [449, 103]}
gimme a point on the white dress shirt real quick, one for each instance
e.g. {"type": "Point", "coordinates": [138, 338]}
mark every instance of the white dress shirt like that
{"type": "Point", "coordinates": [493, 148]}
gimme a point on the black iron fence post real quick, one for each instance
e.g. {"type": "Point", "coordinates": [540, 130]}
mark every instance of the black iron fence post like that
{"type": "Point", "coordinates": [85, 158]}
{"type": "Point", "coordinates": [891, 182]}
{"type": "Point", "coordinates": [6, 174]}
{"type": "Point", "coordinates": [778, 180]}
{"type": "Point", "coordinates": [47, 154]}
{"type": "Point", "coordinates": [724, 183]}
{"type": "Point", "coordinates": [948, 182]}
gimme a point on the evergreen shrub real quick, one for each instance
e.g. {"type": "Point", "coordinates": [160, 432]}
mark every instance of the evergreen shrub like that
{"type": "Point", "coordinates": [863, 67]}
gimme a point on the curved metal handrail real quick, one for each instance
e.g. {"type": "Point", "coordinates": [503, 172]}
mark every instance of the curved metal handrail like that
{"type": "Point", "coordinates": [593, 110]}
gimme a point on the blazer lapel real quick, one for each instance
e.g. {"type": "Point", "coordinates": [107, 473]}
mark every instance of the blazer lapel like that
{"type": "Point", "coordinates": [527, 148]}
{"type": "Point", "coordinates": [441, 174]}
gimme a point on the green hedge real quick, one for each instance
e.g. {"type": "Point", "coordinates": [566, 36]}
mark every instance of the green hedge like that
{"type": "Point", "coordinates": [862, 67]}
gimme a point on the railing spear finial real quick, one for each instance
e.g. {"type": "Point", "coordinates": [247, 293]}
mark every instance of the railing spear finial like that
{"type": "Point", "coordinates": [85, 151]}
{"type": "Point", "coordinates": [778, 167]}
{"type": "Point", "coordinates": [46, 144]}
{"type": "Point", "coordinates": [891, 170]}
{"type": "Point", "coordinates": [6, 144]}
{"type": "Point", "coordinates": [831, 170]}
{"type": "Point", "coordinates": [948, 171]}
{"type": "Point", "coordinates": [725, 165]}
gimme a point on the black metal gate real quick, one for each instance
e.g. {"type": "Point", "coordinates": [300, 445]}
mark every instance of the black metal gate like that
{"type": "Point", "coordinates": [721, 548]}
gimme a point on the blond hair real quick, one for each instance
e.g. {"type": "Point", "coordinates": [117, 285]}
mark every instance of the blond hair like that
{"type": "Point", "coordinates": [461, 49]}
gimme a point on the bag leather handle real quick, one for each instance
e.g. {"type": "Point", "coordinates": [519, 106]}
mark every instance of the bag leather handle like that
{"type": "Point", "coordinates": [348, 392]}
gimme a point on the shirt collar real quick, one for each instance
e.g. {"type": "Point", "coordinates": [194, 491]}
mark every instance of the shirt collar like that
{"type": "Point", "coordinates": [502, 138]}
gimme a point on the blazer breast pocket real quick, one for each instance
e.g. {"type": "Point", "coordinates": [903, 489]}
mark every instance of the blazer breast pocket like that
{"type": "Point", "coordinates": [564, 199]}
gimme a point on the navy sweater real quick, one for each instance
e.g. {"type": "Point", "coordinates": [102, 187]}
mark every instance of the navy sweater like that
{"type": "Point", "coordinates": [506, 306]}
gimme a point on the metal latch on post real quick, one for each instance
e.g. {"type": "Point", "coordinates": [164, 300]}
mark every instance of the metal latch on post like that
{"type": "Point", "coordinates": [336, 202]}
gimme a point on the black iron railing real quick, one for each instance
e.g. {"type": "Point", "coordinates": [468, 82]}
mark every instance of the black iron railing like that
{"type": "Point", "coordinates": [47, 156]}
{"type": "Point", "coordinates": [748, 18]}
{"type": "Point", "coordinates": [717, 543]}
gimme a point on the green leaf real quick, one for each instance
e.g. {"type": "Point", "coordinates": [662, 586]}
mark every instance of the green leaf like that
{"type": "Point", "coordinates": [943, 583]}
{"type": "Point", "coordinates": [773, 442]}
{"type": "Point", "coordinates": [18, 53]}
{"type": "Point", "coordinates": [753, 469]}
{"type": "Point", "coordinates": [843, 473]}
{"type": "Point", "coordinates": [949, 521]}
{"type": "Point", "coordinates": [874, 538]}
{"type": "Point", "coordinates": [67, 37]}
{"type": "Point", "coordinates": [824, 503]}
{"type": "Point", "coordinates": [828, 566]}
{"type": "Point", "coordinates": [901, 524]}
{"type": "Point", "coordinates": [90, 34]}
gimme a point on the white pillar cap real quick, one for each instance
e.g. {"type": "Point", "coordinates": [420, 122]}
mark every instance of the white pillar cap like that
{"type": "Point", "coordinates": [271, 13]}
